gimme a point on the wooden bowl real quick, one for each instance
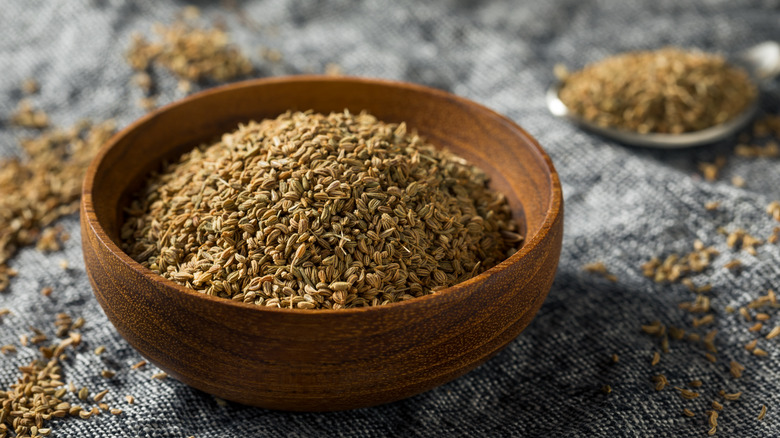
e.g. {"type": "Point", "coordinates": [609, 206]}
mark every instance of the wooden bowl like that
{"type": "Point", "coordinates": [322, 360]}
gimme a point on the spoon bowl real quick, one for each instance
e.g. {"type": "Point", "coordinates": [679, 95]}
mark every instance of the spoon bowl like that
{"type": "Point", "coordinates": [762, 63]}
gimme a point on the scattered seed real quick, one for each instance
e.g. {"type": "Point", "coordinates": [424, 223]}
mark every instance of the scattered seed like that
{"type": "Point", "coordinates": [688, 413]}
{"type": "Point", "coordinates": [713, 419]}
{"type": "Point", "coordinates": [704, 320]}
{"type": "Point", "coordinates": [736, 369]}
{"type": "Point", "coordinates": [99, 396]}
{"type": "Point", "coordinates": [138, 365]}
{"type": "Point", "coordinates": [687, 393]}
{"type": "Point", "coordinates": [615, 358]}
{"type": "Point", "coordinates": [107, 374]}
{"type": "Point", "coordinates": [750, 346]}
{"type": "Point", "coordinates": [717, 406]}
{"type": "Point", "coordinates": [760, 352]}
{"type": "Point", "coordinates": [773, 333]}
{"type": "Point", "coordinates": [711, 357]}
{"type": "Point", "coordinates": [695, 383]}
{"type": "Point", "coordinates": [116, 411]}
{"type": "Point", "coordinates": [656, 358]}
{"type": "Point", "coordinates": [130, 399]}
{"type": "Point", "coordinates": [160, 376]}
{"type": "Point", "coordinates": [606, 389]}
{"type": "Point", "coordinates": [756, 327]}
{"type": "Point", "coordinates": [732, 396]}
{"type": "Point", "coordinates": [762, 316]}
{"type": "Point", "coordinates": [762, 413]}
{"type": "Point", "coordinates": [660, 382]}
{"type": "Point", "coordinates": [30, 86]}
{"type": "Point", "coordinates": [712, 205]}
{"type": "Point", "coordinates": [100, 350]}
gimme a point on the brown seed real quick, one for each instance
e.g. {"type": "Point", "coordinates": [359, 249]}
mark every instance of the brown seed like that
{"type": "Point", "coordinates": [756, 327]}
{"type": "Point", "coordinates": [116, 411]}
{"type": "Point", "coordinates": [688, 413]}
{"type": "Point", "coordinates": [160, 376]}
{"type": "Point", "coordinates": [30, 86]}
{"type": "Point", "coordinates": [712, 205]}
{"type": "Point", "coordinates": [687, 393]}
{"type": "Point", "coordinates": [711, 357]}
{"type": "Point", "coordinates": [736, 369]}
{"type": "Point", "coordinates": [745, 314]}
{"type": "Point", "coordinates": [130, 399]}
{"type": "Point", "coordinates": [730, 396]}
{"type": "Point", "coordinates": [138, 365]}
{"type": "Point", "coordinates": [774, 332]}
{"type": "Point", "coordinates": [713, 420]}
{"type": "Point", "coordinates": [762, 413]}
{"type": "Point", "coordinates": [107, 374]}
{"type": "Point", "coordinates": [83, 393]}
{"type": "Point", "coordinates": [660, 382]}
{"type": "Point", "coordinates": [717, 406]}
{"type": "Point", "coordinates": [46, 291]}
{"type": "Point", "coordinates": [695, 383]}
{"type": "Point", "coordinates": [99, 396]}
{"type": "Point", "coordinates": [704, 320]}
{"type": "Point", "coordinates": [760, 352]}
{"type": "Point", "coordinates": [100, 349]}
{"type": "Point", "coordinates": [750, 346]}
{"type": "Point", "coordinates": [615, 358]}
{"type": "Point", "coordinates": [656, 358]}
{"type": "Point", "coordinates": [606, 389]}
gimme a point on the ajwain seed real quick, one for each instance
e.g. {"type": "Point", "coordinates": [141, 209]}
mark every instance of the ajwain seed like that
{"type": "Point", "coordinates": [99, 396]}
{"type": "Point", "coordinates": [762, 413]}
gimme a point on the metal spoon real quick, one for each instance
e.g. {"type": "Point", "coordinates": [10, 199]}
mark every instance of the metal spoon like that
{"type": "Point", "coordinates": [762, 62]}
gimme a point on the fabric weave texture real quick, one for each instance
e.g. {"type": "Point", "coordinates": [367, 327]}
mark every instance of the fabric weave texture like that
{"type": "Point", "coordinates": [623, 205]}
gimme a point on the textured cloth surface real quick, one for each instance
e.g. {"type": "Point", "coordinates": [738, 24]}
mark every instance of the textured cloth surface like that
{"type": "Point", "coordinates": [623, 206]}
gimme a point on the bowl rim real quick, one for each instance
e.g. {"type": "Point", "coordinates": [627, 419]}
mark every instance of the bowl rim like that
{"type": "Point", "coordinates": [554, 209]}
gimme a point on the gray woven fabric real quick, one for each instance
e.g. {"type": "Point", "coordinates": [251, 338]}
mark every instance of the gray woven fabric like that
{"type": "Point", "coordinates": [623, 206]}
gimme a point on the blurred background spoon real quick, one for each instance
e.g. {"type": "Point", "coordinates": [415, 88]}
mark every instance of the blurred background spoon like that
{"type": "Point", "coordinates": [762, 62]}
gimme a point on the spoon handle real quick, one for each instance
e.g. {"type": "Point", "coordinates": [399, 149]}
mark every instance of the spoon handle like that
{"type": "Point", "coordinates": [762, 60]}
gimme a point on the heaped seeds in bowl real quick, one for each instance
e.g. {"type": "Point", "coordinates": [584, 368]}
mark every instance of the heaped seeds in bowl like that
{"type": "Point", "coordinates": [310, 211]}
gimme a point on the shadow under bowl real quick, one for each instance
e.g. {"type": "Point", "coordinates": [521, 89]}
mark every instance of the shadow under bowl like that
{"type": "Point", "coordinates": [322, 360]}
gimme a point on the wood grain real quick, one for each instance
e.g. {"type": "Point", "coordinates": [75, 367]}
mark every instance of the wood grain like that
{"type": "Point", "coordinates": [307, 360]}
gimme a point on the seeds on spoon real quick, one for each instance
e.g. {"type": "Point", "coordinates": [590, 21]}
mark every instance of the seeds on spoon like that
{"type": "Point", "coordinates": [668, 91]}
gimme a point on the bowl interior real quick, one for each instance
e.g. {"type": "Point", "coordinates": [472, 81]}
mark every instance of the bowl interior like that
{"type": "Point", "coordinates": [517, 166]}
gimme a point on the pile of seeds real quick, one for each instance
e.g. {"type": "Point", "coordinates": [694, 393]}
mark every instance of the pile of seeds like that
{"type": "Point", "coordinates": [41, 393]}
{"type": "Point", "coordinates": [663, 91]}
{"type": "Point", "coordinates": [43, 186]}
{"type": "Point", "coordinates": [312, 211]}
{"type": "Point", "coordinates": [190, 52]}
